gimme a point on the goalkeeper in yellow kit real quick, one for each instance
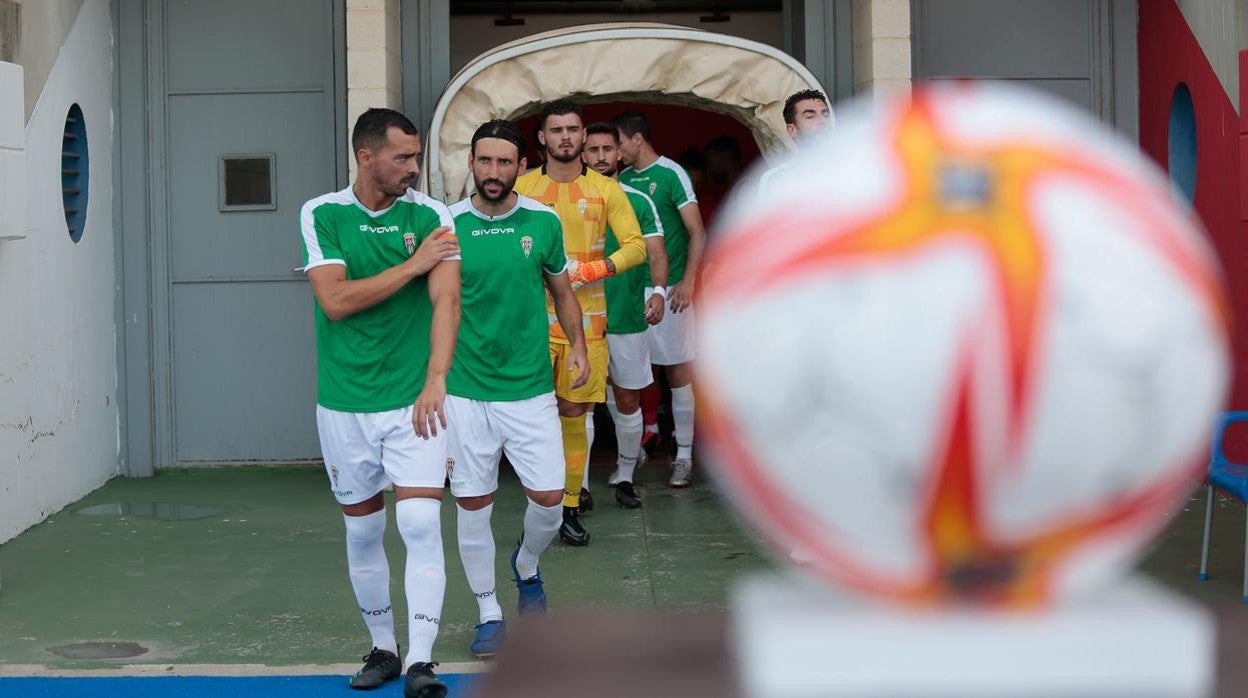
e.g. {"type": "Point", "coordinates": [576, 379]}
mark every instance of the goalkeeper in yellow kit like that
{"type": "Point", "coordinates": [586, 202]}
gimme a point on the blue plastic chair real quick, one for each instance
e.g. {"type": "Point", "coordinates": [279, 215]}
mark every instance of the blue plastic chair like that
{"type": "Point", "coordinates": [1229, 478]}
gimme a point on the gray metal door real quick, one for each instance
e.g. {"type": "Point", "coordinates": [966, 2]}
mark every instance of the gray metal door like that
{"type": "Point", "coordinates": [251, 132]}
{"type": "Point", "coordinates": [1059, 47]}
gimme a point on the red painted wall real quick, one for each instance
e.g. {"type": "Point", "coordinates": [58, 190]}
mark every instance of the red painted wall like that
{"type": "Point", "coordinates": [1170, 55]}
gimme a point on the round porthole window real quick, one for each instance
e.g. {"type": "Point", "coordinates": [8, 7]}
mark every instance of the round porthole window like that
{"type": "Point", "coordinates": [74, 171]}
{"type": "Point", "coordinates": [1182, 144]}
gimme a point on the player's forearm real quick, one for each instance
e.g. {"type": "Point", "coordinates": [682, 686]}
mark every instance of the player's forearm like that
{"type": "Point", "coordinates": [444, 293]}
{"type": "Point", "coordinates": [692, 218]}
{"type": "Point", "coordinates": [632, 252]}
{"type": "Point", "coordinates": [442, 337]}
{"type": "Point", "coordinates": [346, 297]}
{"type": "Point", "coordinates": [656, 253]}
{"type": "Point", "coordinates": [696, 246]}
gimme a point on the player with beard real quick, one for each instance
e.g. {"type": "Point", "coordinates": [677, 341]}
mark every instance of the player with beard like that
{"type": "Point", "coordinates": [384, 271]}
{"type": "Point", "coordinates": [586, 203]}
{"type": "Point", "coordinates": [630, 309]}
{"type": "Point", "coordinates": [501, 391]}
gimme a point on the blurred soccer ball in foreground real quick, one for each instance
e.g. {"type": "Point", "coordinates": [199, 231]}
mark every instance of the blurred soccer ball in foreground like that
{"type": "Point", "coordinates": [966, 348]}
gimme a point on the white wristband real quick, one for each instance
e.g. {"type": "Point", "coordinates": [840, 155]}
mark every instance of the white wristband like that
{"type": "Point", "coordinates": [659, 290]}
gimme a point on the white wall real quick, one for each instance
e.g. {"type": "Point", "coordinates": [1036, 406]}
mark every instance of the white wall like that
{"type": "Point", "coordinates": [44, 24]}
{"type": "Point", "coordinates": [472, 35]}
{"type": "Point", "coordinates": [58, 367]}
{"type": "Point", "coordinates": [1221, 27]}
{"type": "Point", "coordinates": [12, 157]}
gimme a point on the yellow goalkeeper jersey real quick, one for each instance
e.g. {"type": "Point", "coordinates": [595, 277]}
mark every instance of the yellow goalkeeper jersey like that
{"type": "Point", "coordinates": [586, 206]}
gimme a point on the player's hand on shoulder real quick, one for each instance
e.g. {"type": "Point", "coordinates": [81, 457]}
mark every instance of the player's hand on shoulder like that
{"type": "Point", "coordinates": [586, 273]}
{"type": "Point", "coordinates": [436, 247]}
{"type": "Point", "coordinates": [574, 269]}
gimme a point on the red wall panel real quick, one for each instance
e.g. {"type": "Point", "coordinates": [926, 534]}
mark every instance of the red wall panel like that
{"type": "Point", "coordinates": [1170, 55]}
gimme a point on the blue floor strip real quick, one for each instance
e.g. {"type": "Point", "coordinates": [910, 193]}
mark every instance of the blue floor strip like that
{"type": "Point", "coordinates": [459, 686]}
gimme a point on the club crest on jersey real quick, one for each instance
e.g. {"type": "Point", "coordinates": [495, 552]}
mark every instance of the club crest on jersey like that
{"type": "Point", "coordinates": [526, 244]}
{"type": "Point", "coordinates": [581, 205]}
{"type": "Point", "coordinates": [653, 187]}
{"type": "Point", "coordinates": [333, 474]}
{"type": "Point", "coordinates": [409, 239]}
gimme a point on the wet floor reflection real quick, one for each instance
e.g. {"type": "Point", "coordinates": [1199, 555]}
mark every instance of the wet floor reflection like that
{"type": "Point", "coordinates": [162, 511]}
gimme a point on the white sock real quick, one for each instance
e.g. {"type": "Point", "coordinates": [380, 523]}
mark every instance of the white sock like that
{"type": "Point", "coordinates": [370, 576]}
{"type": "Point", "coordinates": [614, 410]}
{"type": "Point", "coordinates": [589, 441]}
{"type": "Point", "coordinates": [425, 581]}
{"type": "Point", "coordinates": [682, 415]}
{"type": "Point", "coordinates": [476, 551]}
{"type": "Point", "coordinates": [652, 428]}
{"type": "Point", "coordinates": [628, 429]}
{"type": "Point", "coordinates": [540, 526]}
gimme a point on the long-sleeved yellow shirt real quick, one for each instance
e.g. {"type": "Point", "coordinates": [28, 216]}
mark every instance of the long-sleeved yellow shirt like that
{"type": "Point", "coordinates": [586, 205]}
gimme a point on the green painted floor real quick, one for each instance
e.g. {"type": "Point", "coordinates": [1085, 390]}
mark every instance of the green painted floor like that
{"type": "Point", "coordinates": [263, 581]}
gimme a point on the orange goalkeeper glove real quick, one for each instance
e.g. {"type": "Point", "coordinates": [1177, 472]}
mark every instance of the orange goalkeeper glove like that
{"type": "Point", "coordinates": [585, 273]}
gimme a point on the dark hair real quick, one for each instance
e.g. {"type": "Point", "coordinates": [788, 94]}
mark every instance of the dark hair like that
{"type": "Point", "coordinates": [790, 104]}
{"type": "Point", "coordinates": [692, 159]}
{"type": "Point", "coordinates": [632, 121]}
{"type": "Point", "coordinates": [724, 144]}
{"type": "Point", "coordinates": [602, 127]}
{"type": "Point", "coordinates": [503, 130]}
{"type": "Point", "coordinates": [370, 129]}
{"type": "Point", "coordinates": [559, 107]}
{"type": "Point", "coordinates": [537, 142]}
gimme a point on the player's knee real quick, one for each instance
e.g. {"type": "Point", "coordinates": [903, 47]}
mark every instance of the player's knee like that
{"type": "Point", "coordinates": [569, 410]}
{"type": "Point", "coordinates": [475, 503]}
{"type": "Point", "coordinates": [372, 505]}
{"type": "Point", "coordinates": [419, 521]}
{"type": "Point", "coordinates": [627, 402]}
{"type": "Point", "coordinates": [680, 375]}
{"type": "Point", "coordinates": [546, 498]}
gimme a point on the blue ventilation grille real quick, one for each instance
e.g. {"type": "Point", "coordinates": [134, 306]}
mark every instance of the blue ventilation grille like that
{"type": "Point", "coordinates": [1182, 144]}
{"type": "Point", "coordinates": [74, 171]}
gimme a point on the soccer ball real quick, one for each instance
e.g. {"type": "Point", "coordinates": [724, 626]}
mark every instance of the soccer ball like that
{"type": "Point", "coordinates": [965, 349]}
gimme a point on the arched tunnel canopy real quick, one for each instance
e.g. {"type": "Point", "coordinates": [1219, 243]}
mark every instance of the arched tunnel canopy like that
{"type": "Point", "coordinates": [633, 62]}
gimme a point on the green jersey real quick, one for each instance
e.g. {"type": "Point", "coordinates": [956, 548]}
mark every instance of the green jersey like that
{"type": "Point", "coordinates": [669, 186]}
{"type": "Point", "coordinates": [503, 351]}
{"type": "Point", "coordinates": [374, 360]}
{"type": "Point", "coordinates": [626, 303]}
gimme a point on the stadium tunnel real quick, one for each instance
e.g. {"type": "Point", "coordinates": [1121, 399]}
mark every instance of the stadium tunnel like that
{"type": "Point", "coordinates": [692, 85]}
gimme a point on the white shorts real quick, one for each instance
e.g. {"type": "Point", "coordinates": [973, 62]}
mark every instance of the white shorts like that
{"type": "Point", "coordinates": [628, 366]}
{"type": "Point", "coordinates": [365, 451]}
{"type": "Point", "coordinates": [481, 432]}
{"type": "Point", "coordinates": [671, 341]}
